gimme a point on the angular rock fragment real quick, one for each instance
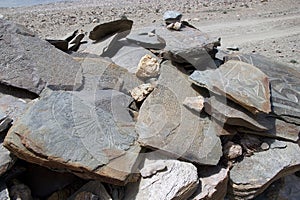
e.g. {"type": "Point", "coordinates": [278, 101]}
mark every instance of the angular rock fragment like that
{"type": "Point", "coordinates": [194, 103]}
{"type": "Point", "coordinates": [91, 190]}
{"type": "Point", "coordinates": [30, 63]}
{"type": "Point", "coordinates": [166, 184]}
{"type": "Point", "coordinates": [66, 130]}
{"type": "Point", "coordinates": [148, 67]}
{"type": "Point", "coordinates": [213, 184]}
{"type": "Point", "coordinates": [241, 82]}
{"type": "Point", "coordinates": [110, 28]}
{"type": "Point", "coordinates": [171, 16]}
{"type": "Point", "coordinates": [284, 81]}
{"type": "Point", "coordinates": [164, 123]}
{"type": "Point", "coordinates": [254, 174]}
{"type": "Point", "coordinates": [226, 111]}
{"type": "Point", "coordinates": [232, 150]}
{"type": "Point", "coordinates": [141, 92]}
{"type": "Point", "coordinates": [175, 26]}
{"type": "Point", "coordinates": [6, 158]}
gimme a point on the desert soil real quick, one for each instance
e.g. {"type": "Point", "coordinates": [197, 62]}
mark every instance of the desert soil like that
{"type": "Point", "coordinates": [267, 27]}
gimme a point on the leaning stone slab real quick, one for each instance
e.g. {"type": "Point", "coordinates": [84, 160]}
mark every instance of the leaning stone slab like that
{"type": "Point", "coordinates": [164, 123]}
{"type": "Point", "coordinates": [284, 81]}
{"type": "Point", "coordinates": [241, 82]}
{"type": "Point", "coordinates": [226, 111]}
{"type": "Point", "coordinates": [65, 130]}
{"type": "Point", "coordinates": [178, 181]}
{"type": "Point", "coordinates": [254, 174]}
{"type": "Point", "coordinates": [31, 63]}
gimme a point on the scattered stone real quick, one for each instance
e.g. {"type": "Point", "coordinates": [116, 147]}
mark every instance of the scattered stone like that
{"type": "Point", "coordinates": [110, 28]}
{"type": "Point", "coordinates": [175, 26]}
{"type": "Point", "coordinates": [172, 16]}
{"type": "Point", "coordinates": [66, 117]}
{"type": "Point", "coordinates": [30, 63]}
{"type": "Point", "coordinates": [166, 184]}
{"type": "Point", "coordinates": [241, 82]}
{"type": "Point", "coordinates": [232, 150]}
{"type": "Point", "coordinates": [254, 174]}
{"type": "Point", "coordinates": [194, 103]}
{"type": "Point", "coordinates": [141, 92]}
{"type": "Point", "coordinates": [264, 146]}
{"type": "Point", "coordinates": [148, 67]}
{"type": "Point", "coordinates": [284, 82]}
{"type": "Point", "coordinates": [213, 184]}
{"type": "Point", "coordinates": [165, 124]}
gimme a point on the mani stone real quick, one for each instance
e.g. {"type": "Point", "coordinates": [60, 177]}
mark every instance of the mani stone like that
{"type": "Point", "coordinates": [178, 181]}
{"type": "Point", "coordinates": [226, 111]}
{"type": "Point", "coordinates": [31, 63]}
{"type": "Point", "coordinates": [164, 123]}
{"type": "Point", "coordinates": [65, 130]}
{"type": "Point", "coordinates": [285, 85]}
{"type": "Point", "coordinates": [241, 82]}
{"type": "Point", "coordinates": [254, 174]}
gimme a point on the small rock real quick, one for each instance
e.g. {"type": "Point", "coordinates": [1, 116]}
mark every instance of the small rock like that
{"type": "Point", "coordinates": [172, 17]}
{"type": "Point", "coordinates": [141, 92]}
{"type": "Point", "coordinates": [264, 146]}
{"type": "Point", "coordinates": [175, 26]}
{"type": "Point", "coordinates": [148, 67]}
{"type": "Point", "coordinates": [194, 103]}
{"type": "Point", "coordinates": [232, 150]}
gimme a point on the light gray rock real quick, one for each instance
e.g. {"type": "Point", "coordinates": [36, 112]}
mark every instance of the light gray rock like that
{"type": "Point", "coordinates": [142, 91]}
{"type": "Point", "coordinates": [165, 123]}
{"type": "Point", "coordinates": [148, 67]}
{"type": "Point", "coordinates": [30, 63]}
{"type": "Point", "coordinates": [91, 190]}
{"type": "Point", "coordinates": [232, 150]}
{"type": "Point", "coordinates": [66, 130]}
{"type": "Point", "coordinates": [213, 184]}
{"type": "Point", "coordinates": [241, 82]}
{"type": "Point", "coordinates": [153, 168]}
{"type": "Point", "coordinates": [254, 174]}
{"type": "Point", "coordinates": [4, 195]}
{"type": "Point", "coordinates": [284, 81]}
{"type": "Point", "coordinates": [171, 16]}
{"type": "Point", "coordinates": [194, 103]}
{"type": "Point", "coordinates": [178, 181]}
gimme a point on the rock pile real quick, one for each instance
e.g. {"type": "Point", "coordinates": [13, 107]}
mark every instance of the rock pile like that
{"type": "Point", "coordinates": [150, 113]}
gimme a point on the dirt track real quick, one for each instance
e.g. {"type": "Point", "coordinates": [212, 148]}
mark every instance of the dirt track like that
{"type": "Point", "coordinates": [271, 28]}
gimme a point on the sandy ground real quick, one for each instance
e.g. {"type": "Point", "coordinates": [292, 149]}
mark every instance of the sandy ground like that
{"type": "Point", "coordinates": [268, 27]}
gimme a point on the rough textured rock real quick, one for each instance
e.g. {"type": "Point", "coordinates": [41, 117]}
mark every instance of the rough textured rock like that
{"type": "Point", "coordinates": [110, 28]}
{"type": "Point", "coordinates": [53, 133]}
{"type": "Point", "coordinates": [254, 174]}
{"type": "Point", "coordinates": [4, 195]}
{"type": "Point", "coordinates": [165, 124]}
{"type": "Point", "coordinates": [284, 82]}
{"type": "Point", "coordinates": [213, 184]}
{"type": "Point", "coordinates": [171, 16]}
{"type": "Point", "coordinates": [20, 191]}
{"type": "Point", "coordinates": [194, 103]}
{"type": "Point", "coordinates": [91, 190]}
{"type": "Point", "coordinates": [241, 82]}
{"type": "Point", "coordinates": [148, 67]}
{"type": "Point", "coordinates": [30, 63]}
{"type": "Point", "coordinates": [6, 158]}
{"type": "Point", "coordinates": [153, 168]}
{"type": "Point", "coordinates": [166, 184]}
{"type": "Point", "coordinates": [232, 150]}
{"type": "Point", "coordinates": [142, 91]}
{"type": "Point", "coordinates": [226, 111]}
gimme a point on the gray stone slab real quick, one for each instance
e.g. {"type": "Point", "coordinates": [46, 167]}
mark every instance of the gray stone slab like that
{"type": "Point", "coordinates": [241, 82]}
{"type": "Point", "coordinates": [6, 158]}
{"type": "Point", "coordinates": [254, 174]}
{"type": "Point", "coordinates": [31, 63]}
{"type": "Point", "coordinates": [165, 123]}
{"type": "Point", "coordinates": [285, 85]}
{"type": "Point", "coordinates": [65, 130]}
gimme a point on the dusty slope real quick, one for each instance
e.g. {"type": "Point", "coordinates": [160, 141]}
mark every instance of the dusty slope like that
{"type": "Point", "coordinates": [271, 28]}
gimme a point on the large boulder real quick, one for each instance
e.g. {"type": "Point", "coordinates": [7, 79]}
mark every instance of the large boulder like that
{"type": "Point", "coordinates": [31, 63]}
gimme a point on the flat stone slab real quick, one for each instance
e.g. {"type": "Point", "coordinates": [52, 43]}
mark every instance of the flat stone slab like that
{"type": "Point", "coordinates": [65, 130]}
{"type": "Point", "coordinates": [254, 174]}
{"type": "Point", "coordinates": [284, 82]}
{"type": "Point", "coordinates": [31, 63]}
{"type": "Point", "coordinates": [164, 123]}
{"type": "Point", "coordinates": [241, 82]}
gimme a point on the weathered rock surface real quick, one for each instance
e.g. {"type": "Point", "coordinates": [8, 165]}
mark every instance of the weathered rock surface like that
{"type": "Point", "coordinates": [6, 158]}
{"type": "Point", "coordinates": [213, 184]}
{"type": "Point", "coordinates": [91, 190]}
{"type": "Point", "coordinates": [53, 133]}
{"type": "Point", "coordinates": [142, 91]}
{"type": "Point", "coordinates": [254, 174]}
{"type": "Point", "coordinates": [284, 82]}
{"type": "Point", "coordinates": [4, 195]}
{"type": "Point", "coordinates": [178, 181]}
{"type": "Point", "coordinates": [226, 111]}
{"type": "Point", "coordinates": [232, 150]}
{"type": "Point", "coordinates": [165, 123]}
{"type": "Point", "coordinates": [241, 82]}
{"type": "Point", "coordinates": [148, 67]}
{"type": "Point", "coordinates": [30, 63]}
{"type": "Point", "coordinates": [171, 16]}
{"type": "Point", "coordinates": [194, 103]}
